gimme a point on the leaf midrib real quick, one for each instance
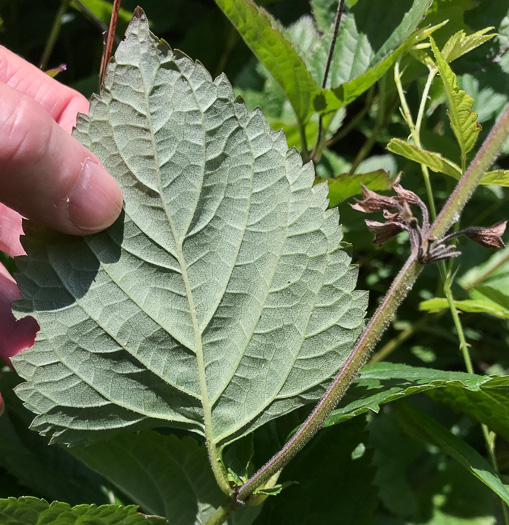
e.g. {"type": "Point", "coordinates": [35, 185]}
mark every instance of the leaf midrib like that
{"type": "Point", "coordinates": [207, 412]}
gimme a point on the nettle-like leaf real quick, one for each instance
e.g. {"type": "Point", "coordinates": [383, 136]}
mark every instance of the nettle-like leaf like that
{"type": "Point", "coordinates": [221, 299]}
{"type": "Point", "coordinates": [434, 161]}
{"type": "Point", "coordinates": [34, 511]}
{"type": "Point", "coordinates": [270, 43]}
{"type": "Point", "coordinates": [463, 119]}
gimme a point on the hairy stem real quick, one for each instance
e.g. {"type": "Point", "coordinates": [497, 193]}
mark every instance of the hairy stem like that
{"type": "Point", "coordinates": [397, 292]}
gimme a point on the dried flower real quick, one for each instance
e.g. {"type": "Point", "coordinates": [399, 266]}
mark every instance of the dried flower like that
{"type": "Point", "coordinates": [489, 237]}
{"type": "Point", "coordinates": [384, 231]}
{"type": "Point", "coordinates": [399, 217]}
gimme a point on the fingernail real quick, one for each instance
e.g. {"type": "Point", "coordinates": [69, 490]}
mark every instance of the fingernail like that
{"type": "Point", "coordinates": [96, 199]}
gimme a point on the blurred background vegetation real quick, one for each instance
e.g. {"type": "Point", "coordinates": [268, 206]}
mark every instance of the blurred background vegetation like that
{"type": "Point", "coordinates": [425, 486]}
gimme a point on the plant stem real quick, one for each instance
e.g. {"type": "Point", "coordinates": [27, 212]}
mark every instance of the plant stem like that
{"type": "Point", "coordinates": [109, 43]}
{"type": "Point", "coordinates": [415, 131]}
{"type": "Point", "coordinates": [397, 292]}
{"type": "Point", "coordinates": [53, 36]}
{"type": "Point", "coordinates": [337, 21]}
{"type": "Point", "coordinates": [458, 326]}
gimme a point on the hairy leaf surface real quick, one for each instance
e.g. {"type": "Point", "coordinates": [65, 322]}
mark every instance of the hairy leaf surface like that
{"type": "Point", "coordinates": [221, 298]}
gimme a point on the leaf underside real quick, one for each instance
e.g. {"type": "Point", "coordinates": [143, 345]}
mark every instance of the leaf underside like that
{"type": "Point", "coordinates": [220, 299]}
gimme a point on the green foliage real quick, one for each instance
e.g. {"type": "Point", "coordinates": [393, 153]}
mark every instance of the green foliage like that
{"type": "Point", "coordinates": [270, 44]}
{"type": "Point", "coordinates": [340, 484]}
{"type": "Point", "coordinates": [222, 301]}
{"type": "Point", "coordinates": [33, 511]}
{"type": "Point", "coordinates": [420, 426]}
{"type": "Point", "coordinates": [220, 220]}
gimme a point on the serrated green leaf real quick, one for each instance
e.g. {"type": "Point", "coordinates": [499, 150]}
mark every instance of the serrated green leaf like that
{"type": "Point", "coordinates": [463, 121]}
{"type": "Point", "coordinates": [432, 160]}
{"type": "Point", "coordinates": [337, 97]}
{"type": "Point", "coordinates": [460, 43]}
{"type": "Point", "coordinates": [338, 486]}
{"type": "Point", "coordinates": [265, 38]}
{"type": "Point", "coordinates": [33, 511]}
{"type": "Point", "coordinates": [466, 305]}
{"type": "Point", "coordinates": [346, 185]}
{"type": "Point", "coordinates": [424, 428]}
{"type": "Point", "coordinates": [386, 382]}
{"type": "Point", "coordinates": [221, 298]}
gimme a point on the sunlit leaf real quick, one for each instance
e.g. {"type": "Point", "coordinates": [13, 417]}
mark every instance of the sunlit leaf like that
{"type": "Point", "coordinates": [221, 298]}
{"type": "Point", "coordinates": [432, 160]}
{"type": "Point", "coordinates": [346, 185]}
{"type": "Point", "coordinates": [463, 120]}
{"type": "Point", "coordinates": [460, 43]}
{"type": "Point", "coordinates": [466, 305]}
{"type": "Point", "coordinates": [265, 38]}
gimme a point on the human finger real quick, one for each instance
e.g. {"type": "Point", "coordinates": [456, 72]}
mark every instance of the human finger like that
{"type": "Point", "coordinates": [61, 102]}
{"type": "Point", "coordinates": [47, 175]}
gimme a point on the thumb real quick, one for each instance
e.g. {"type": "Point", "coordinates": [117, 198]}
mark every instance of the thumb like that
{"type": "Point", "coordinates": [47, 175]}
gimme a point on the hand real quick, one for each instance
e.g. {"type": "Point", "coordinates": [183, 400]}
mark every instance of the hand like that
{"type": "Point", "coordinates": [46, 176]}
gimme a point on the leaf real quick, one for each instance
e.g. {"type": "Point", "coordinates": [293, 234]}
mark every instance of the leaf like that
{"type": "Point", "coordinates": [346, 185]}
{"type": "Point", "coordinates": [271, 46]}
{"type": "Point", "coordinates": [165, 475]}
{"type": "Point", "coordinates": [385, 382]}
{"type": "Point", "coordinates": [339, 489]}
{"type": "Point", "coordinates": [432, 160]}
{"type": "Point", "coordinates": [50, 472]}
{"type": "Point", "coordinates": [463, 120]}
{"type": "Point", "coordinates": [221, 299]}
{"type": "Point", "coordinates": [33, 511]}
{"type": "Point", "coordinates": [424, 428]}
{"type": "Point", "coordinates": [467, 305]}
{"type": "Point", "coordinates": [459, 44]}
{"type": "Point", "coordinates": [496, 178]}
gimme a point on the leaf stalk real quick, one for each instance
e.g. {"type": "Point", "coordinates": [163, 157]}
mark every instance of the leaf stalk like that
{"type": "Point", "coordinates": [399, 289]}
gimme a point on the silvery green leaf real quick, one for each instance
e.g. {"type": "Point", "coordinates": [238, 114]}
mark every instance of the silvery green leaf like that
{"type": "Point", "coordinates": [221, 298]}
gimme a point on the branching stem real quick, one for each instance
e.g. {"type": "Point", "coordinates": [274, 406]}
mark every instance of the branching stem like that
{"type": "Point", "coordinates": [397, 292]}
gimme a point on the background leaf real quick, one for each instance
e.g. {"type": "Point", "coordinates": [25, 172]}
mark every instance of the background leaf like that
{"type": "Point", "coordinates": [346, 185]}
{"type": "Point", "coordinates": [423, 427]}
{"type": "Point", "coordinates": [463, 120]}
{"type": "Point", "coordinates": [339, 487]}
{"type": "Point", "coordinates": [265, 38]}
{"type": "Point", "coordinates": [221, 299]}
{"type": "Point", "coordinates": [33, 511]}
{"type": "Point", "coordinates": [434, 161]}
{"type": "Point", "coordinates": [165, 475]}
{"type": "Point", "coordinates": [483, 398]}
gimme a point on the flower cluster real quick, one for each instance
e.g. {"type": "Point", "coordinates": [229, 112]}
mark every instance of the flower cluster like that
{"type": "Point", "coordinates": [398, 215]}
